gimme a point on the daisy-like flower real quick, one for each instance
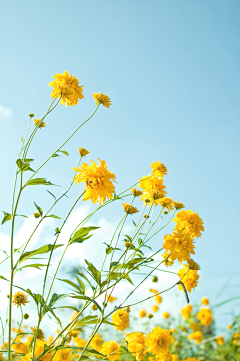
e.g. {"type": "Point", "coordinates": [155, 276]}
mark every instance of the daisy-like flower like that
{"type": "Point", "coordinates": [178, 205]}
{"type": "Point", "coordinates": [136, 344]}
{"type": "Point", "coordinates": [158, 169]}
{"type": "Point", "coordinates": [98, 181]}
{"type": "Point", "coordinates": [193, 265]}
{"type": "Point", "coordinates": [190, 280]}
{"type": "Point", "coordinates": [102, 99]}
{"type": "Point", "coordinates": [83, 152]}
{"type": "Point", "coordinates": [111, 349]}
{"type": "Point", "coordinates": [205, 301]}
{"type": "Point", "coordinates": [150, 184]}
{"type": "Point", "coordinates": [168, 261]}
{"type": "Point", "coordinates": [136, 192]}
{"type": "Point", "coordinates": [165, 357]}
{"type": "Point", "coordinates": [20, 298]}
{"type": "Point", "coordinates": [197, 336]}
{"type": "Point", "coordinates": [37, 121]}
{"type": "Point", "coordinates": [166, 203]}
{"type": "Point", "coordinates": [205, 316]}
{"type": "Point", "coordinates": [120, 319]}
{"type": "Point", "coordinates": [180, 244]}
{"type": "Point", "coordinates": [40, 334]}
{"type": "Point", "coordinates": [158, 341]}
{"type": "Point", "coordinates": [129, 209]}
{"type": "Point", "coordinates": [191, 221]}
{"type": "Point", "coordinates": [96, 342]}
{"type": "Point", "coordinates": [186, 311]}
{"type": "Point", "coordinates": [67, 87]}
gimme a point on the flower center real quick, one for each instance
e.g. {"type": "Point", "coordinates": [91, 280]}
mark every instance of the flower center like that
{"type": "Point", "coordinates": [160, 342]}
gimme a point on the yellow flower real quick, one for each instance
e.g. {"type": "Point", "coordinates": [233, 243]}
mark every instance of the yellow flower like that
{"type": "Point", "coordinates": [220, 340]}
{"type": "Point", "coordinates": [229, 327]}
{"type": "Point", "coordinates": [40, 335]}
{"type": "Point", "coordinates": [178, 205]}
{"type": "Point", "coordinates": [111, 349]}
{"type": "Point", "coordinates": [165, 357]}
{"type": "Point", "coordinates": [150, 184]}
{"type": "Point", "coordinates": [174, 357]}
{"type": "Point", "coordinates": [205, 316]}
{"type": "Point", "coordinates": [129, 209]}
{"type": "Point", "coordinates": [158, 169]}
{"type": "Point", "coordinates": [236, 335]}
{"type": "Point", "coordinates": [189, 220]}
{"type": "Point", "coordinates": [1, 356]}
{"type": "Point", "coordinates": [168, 261]}
{"type": "Point", "coordinates": [36, 215]}
{"type": "Point", "coordinates": [36, 121]}
{"type": "Point", "coordinates": [20, 299]}
{"type": "Point", "coordinates": [192, 359]}
{"type": "Point", "coordinates": [158, 341]}
{"type": "Point", "coordinates": [166, 203]}
{"type": "Point", "coordinates": [83, 152]}
{"type": "Point", "coordinates": [158, 298]}
{"type": "Point", "coordinates": [166, 315]}
{"type": "Point", "coordinates": [80, 342]}
{"type": "Point", "coordinates": [96, 342]}
{"type": "Point", "coordinates": [193, 265]}
{"type": "Point", "coordinates": [111, 298]}
{"type": "Point", "coordinates": [190, 279]}
{"type": "Point", "coordinates": [194, 326]}
{"type": "Point", "coordinates": [205, 301]}
{"type": "Point", "coordinates": [180, 244]}
{"type": "Point", "coordinates": [155, 308]}
{"type": "Point", "coordinates": [67, 87]}
{"type": "Point", "coordinates": [128, 310]}
{"type": "Point", "coordinates": [94, 307]}
{"type": "Point", "coordinates": [136, 344]}
{"type": "Point", "coordinates": [102, 99]}
{"type": "Point", "coordinates": [153, 290]}
{"type": "Point", "coordinates": [136, 192]}
{"type": "Point", "coordinates": [185, 311]}
{"type": "Point", "coordinates": [120, 319]}
{"type": "Point", "coordinates": [197, 336]}
{"type": "Point", "coordinates": [142, 313]}
{"type": "Point", "coordinates": [98, 181]}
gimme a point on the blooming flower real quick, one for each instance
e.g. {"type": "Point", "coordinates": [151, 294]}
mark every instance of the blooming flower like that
{"type": "Point", "coordinates": [191, 221]}
{"type": "Point", "coordinates": [190, 279]}
{"type": "Point", "coordinates": [40, 335]}
{"type": "Point", "coordinates": [136, 192]}
{"type": "Point", "coordinates": [166, 203]}
{"type": "Point", "coordinates": [166, 315]}
{"type": "Point", "coordinates": [111, 349]}
{"type": "Point", "coordinates": [83, 152]}
{"type": "Point", "coordinates": [36, 121]}
{"type": "Point", "coordinates": [142, 313]}
{"type": "Point", "coordinates": [155, 308]}
{"type": "Point", "coordinates": [158, 169]}
{"type": "Point", "coordinates": [193, 265]}
{"type": "Point", "coordinates": [158, 298]}
{"type": "Point", "coordinates": [178, 205]}
{"type": "Point", "coordinates": [197, 336]}
{"type": "Point", "coordinates": [150, 184]}
{"type": "Point", "coordinates": [180, 244]}
{"type": "Point", "coordinates": [205, 316]}
{"type": "Point", "coordinates": [20, 299]}
{"type": "Point", "coordinates": [120, 319]}
{"type": "Point", "coordinates": [67, 87]}
{"type": "Point", "coordinates": [129, 209]}
{"type": "Point", "coordinates": [96, 342]}
{"type": "Point", "coordinates": [158, 341]}
{"type": "Point", "coordinates": [205, 301]}
{"type": "Point", "coordinates": [220, 340]}
{"type": "Point", "coordinates": [111, 298]}
{"type": "Point", "coordinates": [186, 311]}
{"type": "Point", "coordinates": [168, 261]}
{"type": "Point", "coordinates": [102, 99]}
{"type": "Point", "coordinates": [98, 181]}
{"type": "Point", "coordinates": [136, 344]}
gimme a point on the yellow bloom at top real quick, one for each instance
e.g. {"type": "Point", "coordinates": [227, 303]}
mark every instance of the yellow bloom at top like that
{"type": "Point", "coordinates": [67, 87]}
{"type": "Point", "coordinates": [120, 319]}
{"type": "Point", "coordinates": [205, 301]}
{"type": "Point", "coordinates": [190, 221]}
{"type": "Point", "coordinates": [150, 184]}
{"type": "Point", "coordinates": [142, 313]}
{"type": "Point", "coordinates": [136, 344]}
{"type": "Point", "coordinates": [158, 169]}
{"type": "Point", "coordinates": [158, 341]}
{"type": "Point", "coordinates": [166, 203]}
{"type": "Point", "coordinates": [111, 349]}
{"type": "Point", "coordinates": [98, 181]}
{"type": "Point", "coordinates": [205, 316]}
{"type": "Point", "coordinates": [102, 99]}
{"type": "Point", "coordinates": [20, 298]}
{"type": "Point", "coordinates": [180, 244]}
{"type": "Point", "coordinates": [190, 280]}
{"type": "Point", "coordinates": [197, 336]}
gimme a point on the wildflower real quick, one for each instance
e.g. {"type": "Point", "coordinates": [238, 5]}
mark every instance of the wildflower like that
{"type": "Point", "coordinates": [186, 311]}
{"type": "Point", "coordinates": [158, 169]}
{"type": "Point", "coordinates": [142, 313]}
{"type": "Point", "coordinates": [178, 205]}
{"type": "Point", "coordinates": [193, 265]}
{"type": "Point", "coordinates": [190, 279]}
{"type": "Point", "coordinates": [220, 340]}
{"type": "Point", "coordinates": [191, 359]}
{"type": "Point", "coordinates": [180, 244]}
{"type": "Point", "coordinates": [146, 216]}
{"type": "Point", "coordinates": [136, 192]}
{"type": "Point", "coordinates": [167, 260]}
{"type": "Point", "coordinates": [197, 336]}
{"type": "Point", "coordinates": [155, 308]}
{"type": "Point", "coordinates": [153, 290]}
{"type": "Point", "coordinates": [67, 87]}
{"type": "Point", "coordinates": [236, 335]}
{"type": "Point", "coordinates": [111, 349]}
{"type": "Point", "coordinates": [96, 342]}
{"type": "Point", "coordinates": [174, 357]}
{"type": "Point", "coordinates": [31, 115]}
{"type": "Point", "coordinates": [20, 299]}
{"type": "Point", "coordinates": [229, 326]}
{"type": "Point", "coordinates": [128, 244]}
{"type": "Point", "coordinates": [149, 315]}
{"type": "Point", "coordinates": [150, 184]}
{"type": "Point", "coordinates": [128, 309]}
{"type": "Point", "coordinates": [83, 152]}
{"type": "Point", "coordinates": [26, 316]}
{"type": "Point", "coordinates": [37, 121]}
{"type": "Point", "coordinates": [80, 342]}
{"type": "Point", "coordinates": [166, 203]}
{"type": "Point", "coordinates": [111, 298]}
{"type": "Point", "coordinates": [189, 220]}
{"type": "Point", "coordinates": [98, 181]}
{"type": "Point", "coordinates": [166, 315]}
{"type": "Point", "coordinates": [158, 341]}
{"type": "Point", "coordinates": [102, 99]}
{"type": "Point", "coordinates": [94, 307]}
{"type": "Point", "coordinates": [156, 195]}
{"type": "Point", "coordinates": [120, 319]}
{"type": "Point", "coordinates": [194, 326]}
{"type": "Point", "coordinates": [36, 214]}
{"type": "Point", "coordinates": [40, 335]}
{"type": "Point", "coordinates": [158, 298]}
{"type": "Point", "coordinates": [1, 356]}
{"type": "Point", "coordinates": [165, 357]}
{"type": "Point", "coordinates": [205, 301]}
{"type": "Point", "coordinates": [129, 209]}
{"type": "Point", "coordinates": [136, 344]}
{"type": "Point", "coordinates": [155, 279]}
{"type": "Point", "coordinates": [205, 316]}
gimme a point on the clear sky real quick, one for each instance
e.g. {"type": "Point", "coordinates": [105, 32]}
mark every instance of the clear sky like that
{"type": "Point", "coordinates": [171, 69]}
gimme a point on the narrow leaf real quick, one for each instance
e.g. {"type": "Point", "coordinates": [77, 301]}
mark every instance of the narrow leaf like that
{"type": "Point", "coordinates": [6, 217]}
{"type": "Point", "coordinates": [44, 249]}
{"type": "Point", "coordinates": [39, 209]}
{"type": "Point", "coordinates": [38, 181]}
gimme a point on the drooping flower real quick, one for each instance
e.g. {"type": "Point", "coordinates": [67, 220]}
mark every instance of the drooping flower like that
{"type": "Point", "coordinates": [168, 261]}
{"type": "Point", "coordinates": [111, 349]}
{"type": "Point", "coordinates": [98, 181]}
{"type": "Point", "coordinates": [190, 279]}
{"type": "Point", "coordinates": [150, 184]}
{"type": "Point", "coordinates": [120, 319]}
{"type": "Point", "coordinates": [205, 301]}
{"type": "Point", "coordinates": [102, 99]}
{"type": "Point", "coordinates": [180, 244]}
{"type": "Point", "coordinates": [191, 221]}
{"type": "Point", "coordinates": [205, 316]}
{"type": "Point", "coordinates": [67, 87]}
{"type": "Point", "coordinates": [158, 341]}
{"type": "Point", "coordinates": [186, 311]}
{"type": "Point", "coordinates": [197, 336]}
{"type": "Point", "coordinates": [20, 298]}
{"type": "Point", "coordinates": [96, 342]}
{"type": "Point", "coordinates": [136, 344]}
{"type": "Point", "coordinates": [37, 121]}
{"type": "Point", "coordinates": [129, 209]}
{"type": "Point", "coordinates": [83, 152]}
{"type": "Point", "coordinates": [193, 265]}
{"type": "Point", "coordinates": [142, 313]}
{"type": "Point", "coordinates": [158, 169]}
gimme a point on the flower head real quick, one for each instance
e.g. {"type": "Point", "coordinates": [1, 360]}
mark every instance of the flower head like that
{"type": "Point", "coordinates": [102, 99]}
{"type": "Point", "coordinates": [129, 209]}
{"type": "Point", "coordinates": [158, 299]}
{"type": "Point", "coordinates": [142, 313]}
{"type": "Point", "coordinates": [41, 125]}
{"type": "Point", "coordinates": [20, 299]}
{"type": "Point", "coordinates": [186, 311]}
{"type": "Point", "coordinates": [166, 315]}
{"type": "Point", "coordinates": [178, 205]}
{"type": "Point", "coordinates": [155, 308]}
{"type": "Point", "coordinates": [193, 265]}
{"type": "Point", "coordinates": [40, 335]}
{"type": "Point", "coordinates": [120, 319]}
{"type": "Point", "coordinates": [190, 279]}
{"type": "Point", "coordinates": [98, 181]}
{"type": "Point", "coordinates": [205, 316]}
{"type": "Point", "coordinates": [158, 341]}
{"type": "Point", "coordinates": [67, 87]}
{"type": "Point", "coordinates": [180, 244]}
{"type": "Point", "coordinates": [205, 301]}
{"type": "Point", "coordinates": [96, 342]}
{"type": "Point", "coordinates": [168, 261]}
{"type": "Point", "coordinates": [220, 340]}
{"type": "Point", "coordinates": [197, 336]}
{"type": "Point", "coordinates": [136, 344]}
{"type": "Point", "coordinates": [136, 192]}
{"type": "Point", "coordinates": [111, 298]}
{"type": "Point", "coordinates": [111, 349]}
{"type": "Point", "coordinates": [190, 221]}
{"type": "Point", "coordinates": [83, 152]}
{"type": "Point", "coordinates": [150, 184]}
{"type": "Point", "coordinates": [158, 169]}
{"type": "Point", "coordinates": [166, 203]}
{"type": "Point", "coordinates": [36, 215]}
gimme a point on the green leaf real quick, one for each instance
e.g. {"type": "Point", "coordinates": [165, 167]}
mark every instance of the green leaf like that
{"type": "Point", "coordinates": [95, 273]}
{"type": "Point", "coordinates": [109, 250]}
{"type": "Point", "coordinates": [23, 166]}
{"type": "Point", "coordinates": [6, 217]}
{"type": "Point", "coordinates": [27, 160]}
{"type": "Point", "coordinates": [88, 320]}
{"type": "Point", "coordinates": [52, 195]}
{"type": "Point", "coordinates": [56, 297]}
{"type": "Point", "coordinates": [129, 279]}
{"type": "Point", "coordinates": [128, 237]}
{"type": "Point", "coordinates": [39, 209]}
{"type": "Point", "coordinates": [57, 231]}
{"type": "Point", "coordinates": [55, 155]}
{"type": "Point", "coordinates": [21, 215]}
{"type": "Point", "coordinates": [86, 279]}
{"type": "Point", "coordinates": [134, 224]}
{"type": "Point", "coordinates": [57, 318]}
{"type": "Point", "coordinates": [3, 278]}
{"type": "Point", "coordinates": [64, 151]}
{"type": "Point", "coordinates": [35, 265]}
{"type": "Point", "coordinates": [82, 235]}
{"type": "Point", "coordinates": [44, 249]}
{"type": "Point", "coordinates": [226, 301]}
{"type": "Point", "coordinates": [53, 216]}
{"type": "Point", "coordinates": [37, 298]}
{"type": "Point", "coordinates": [38, 181]}
{"type": "Point", "coordinates": [71, 307]}
{"type": "Point", "coordinates": [72, 284]}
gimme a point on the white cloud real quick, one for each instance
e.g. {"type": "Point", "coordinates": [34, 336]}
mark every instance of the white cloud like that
{"type": "Point", "coordinates": [5, 113]}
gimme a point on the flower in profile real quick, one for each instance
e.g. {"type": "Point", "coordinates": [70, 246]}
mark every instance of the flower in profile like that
{"type": "Point", "coordinates": [40, 335]}
{"type": "Point", "coordinates": [96, 342]}
{"type": "Point", "coordinates": [205, 301]}
{"type": "Point", "coordinates": [193, 265]}
{"type": "Point", "coordinates": [136, 344]}
{"type": "Point", "coordinates": [67, 87]}
{"type": "Point", "coordinates": [155, 308]}
{"type": "Point", "coordinates": [190, 221]}
{"type": "Point", "coordinates": [111, 349]}
{"type": "Point", "coordinates": [98, 181]}
{"type": "Point", "coordinates": [166, 203]}
{"type": "Point", "coordinates": [205, 316]}
{"type": "Point", "coordinates": [20, 299]}
{"type": "Point", "coordinates": [120, 319]}
{"type": "Point", "coordinates": [158, 299]}
{"type": "Point", "coordinates": [129, 209]}
{"type": "Point", "coordinates": [150, 184]}
{"type": "Point", "coordinates": [190, 279]}
{"type": "Point", "coordinates": [178, 205]}
{"type": "Point", "coordinates": [42, 123]}
{"type": "Point", "coordinates": [102, 99]}
{"type": "Point", "coordinates": [111, 298]}
{"type": "Point", "coordinates": [158, 341]}
{"type": "Point", "coordinates": [167, 260]}
{"type": "Point", "coordinates": [166, 315]}
{"type": "Point", "coordinates": [136, 192]}
{"type": "Point", "coordinates": [164, 357]}
{"type": "Point", "coordinates": [158, 169]}
{"type": "Point", "coordinates": [186, 311]}
{"type": "Point", "coordinates": [142, 313]}
{"type": "Point", "coordinates": [180, 244]}
{"type": "Point", "coordinates": [220, 340]}
{"type": "Point", "coordinates": [197, 336]}
{"type": "Point", "coordinates": [83, 152]}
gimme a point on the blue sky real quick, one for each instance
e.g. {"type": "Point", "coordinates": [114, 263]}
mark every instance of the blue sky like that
{"type": "Point", "coordinates": [171, 69]}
